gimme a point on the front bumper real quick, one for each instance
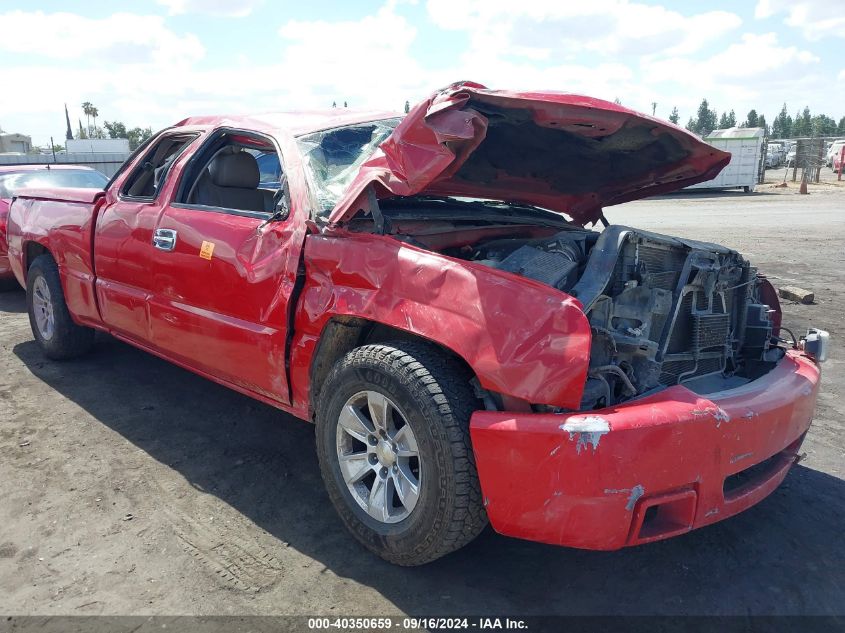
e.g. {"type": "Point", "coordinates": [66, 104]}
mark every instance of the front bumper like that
{"type": "Point", "coordinates": [646, 470]}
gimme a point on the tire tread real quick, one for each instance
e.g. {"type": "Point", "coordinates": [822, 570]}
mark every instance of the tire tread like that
{"type": "Point", "coordinates": [69, 339]}
{"type": "Point", "coordinates": [429, 374]}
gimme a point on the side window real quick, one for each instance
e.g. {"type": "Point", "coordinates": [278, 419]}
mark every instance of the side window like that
{"type": "Point", "coordinates": [146, 179]}
{"type": "Point", "coordinates": [269, 169]}
{"type": "Point", "coordinates": [234, 171]}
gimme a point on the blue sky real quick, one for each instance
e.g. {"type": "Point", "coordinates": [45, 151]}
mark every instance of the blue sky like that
{"type": "Point", "coordinates": [155, 62]}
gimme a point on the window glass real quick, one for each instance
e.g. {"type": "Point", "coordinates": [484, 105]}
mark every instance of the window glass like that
{"type": "Point", "coordinates": [332, 157]}
{"type": "Point", "coordinates": [269, 168]}
{"type": "Point", "coordinates": [234, 171]}
{"type": "Point", "coordinates": [147, 178]}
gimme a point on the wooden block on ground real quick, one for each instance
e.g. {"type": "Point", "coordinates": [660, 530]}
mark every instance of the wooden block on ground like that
{"type": "Point", "coordinates": [794, 293]}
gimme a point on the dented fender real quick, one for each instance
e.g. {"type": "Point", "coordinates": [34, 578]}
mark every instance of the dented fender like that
{"type": "Point", "coordinates": [521, 338]}
{"type": "Point", "coordinates": [61, 221]}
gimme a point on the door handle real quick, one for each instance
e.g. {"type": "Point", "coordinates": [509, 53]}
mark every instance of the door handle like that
{"type": "Point", "coordinates": [164, 239]}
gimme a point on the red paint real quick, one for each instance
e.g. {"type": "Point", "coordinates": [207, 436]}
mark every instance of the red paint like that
{"type": "Point", "coordinates": [228, 318]}
{"type": "Point", "coordinates": [520, 337]}
{"type": "Point", "coordinates": [227, 315]}
{"type": "Point", "coordinates": [437, 137]}
{"type": "Point", "coordinates": [65, 230]}
{"type": "Point", "coordinates": [537, 485]}
{"type": "Point", "coordinates": [5, 267]}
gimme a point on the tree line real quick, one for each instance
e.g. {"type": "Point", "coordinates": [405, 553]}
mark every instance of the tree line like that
{"type": "Point", "coordinates": [114, 129]}
{"type": "Point", "coordinates": [803, 124]}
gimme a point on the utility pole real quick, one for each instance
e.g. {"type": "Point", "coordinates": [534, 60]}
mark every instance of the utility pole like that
{"type": "Point", "coordinates": [653, 107]}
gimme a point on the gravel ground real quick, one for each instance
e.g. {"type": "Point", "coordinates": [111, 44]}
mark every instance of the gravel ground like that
{"type": "Point", "coordinates": [129, 486]}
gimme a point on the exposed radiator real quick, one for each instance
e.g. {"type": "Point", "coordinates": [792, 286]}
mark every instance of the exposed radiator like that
{"type": "Point", "coordinates": [710, 330]}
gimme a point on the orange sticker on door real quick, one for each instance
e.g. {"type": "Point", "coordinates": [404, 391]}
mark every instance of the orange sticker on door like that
{"type": "Point", "coordinates": [206, 250]}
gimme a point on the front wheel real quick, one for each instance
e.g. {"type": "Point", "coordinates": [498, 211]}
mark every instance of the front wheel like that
{"type": "Point", "coordinates": [54, 330]}
{"type": "Point", "coordinates": [394, 450]}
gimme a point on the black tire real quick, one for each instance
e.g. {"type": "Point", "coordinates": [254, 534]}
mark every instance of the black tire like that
{"type": "Point", "coordinates": [434, 394]}
{"type": "Point", "coordinates": [67, 339]}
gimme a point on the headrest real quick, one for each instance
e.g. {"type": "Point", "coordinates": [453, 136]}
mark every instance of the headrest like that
{"type": "Point", "coordinates": [238, 169]}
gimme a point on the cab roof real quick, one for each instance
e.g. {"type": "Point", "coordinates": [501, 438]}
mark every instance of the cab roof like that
{"type": "Point", "coordinates": [292, 123]}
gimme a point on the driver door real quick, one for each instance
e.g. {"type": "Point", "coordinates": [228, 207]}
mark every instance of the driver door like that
{"type": "Point", "coordinates": [222, 273]}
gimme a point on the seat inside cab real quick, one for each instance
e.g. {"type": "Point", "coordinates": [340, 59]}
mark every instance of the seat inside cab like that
{"type": "Point", "coordinates": [239, 173]}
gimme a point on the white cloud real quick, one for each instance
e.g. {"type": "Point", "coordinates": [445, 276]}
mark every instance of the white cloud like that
{"type": "Point", "coordinates": [753, 72]}
{"type": "Point", "coordinates": [140, 70]}
{"type": "Point", "coordinates": [118, 59]}
{"type": "Point", "coordinates": [815, 18]}
{"type": "Point", "coordinates": [219, 8]}
{"type": "Point", "coordinates": [550, 28]}
{"type": "Point", "coordinates": [753, 57]}
{"type": "Point", "coordinates": [118, 38]}
{"type": "Point", "coordinates": [316, 62]}
{"type": "Point", "coordinates": [367, 61]}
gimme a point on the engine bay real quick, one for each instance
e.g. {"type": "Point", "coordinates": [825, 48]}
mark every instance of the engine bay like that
{"type": "Point", "coordinates": [662, 310]}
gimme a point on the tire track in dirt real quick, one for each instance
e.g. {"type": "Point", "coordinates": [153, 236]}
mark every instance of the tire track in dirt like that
{"type": "Point", "coordinates": [228, 547]}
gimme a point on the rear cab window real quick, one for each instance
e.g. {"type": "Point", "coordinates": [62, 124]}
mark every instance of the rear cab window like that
{"type": "Point", "coordinates": [147, 178]}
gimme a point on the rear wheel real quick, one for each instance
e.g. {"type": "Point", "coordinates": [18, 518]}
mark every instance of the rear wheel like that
{"type": "Point", "coordinates": [394, 449]}
{"type": "Point", "coordinates": [54, 330]}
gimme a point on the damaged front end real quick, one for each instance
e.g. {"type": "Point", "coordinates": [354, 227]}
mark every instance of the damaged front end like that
{"type": "Point", "coordinates": [636, 380]}
{"type": "Point", "coordinates": [484, 176]}
{"type": "Point", "coordinates": [663, 311]}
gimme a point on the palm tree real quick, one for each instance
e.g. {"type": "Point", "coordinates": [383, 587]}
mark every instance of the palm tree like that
{"type": "Point", "coordinates": [94, 114]}
{"type": "Point", "coordinates": [86, 110]}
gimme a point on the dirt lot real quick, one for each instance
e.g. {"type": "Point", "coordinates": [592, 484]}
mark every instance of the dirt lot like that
{"type": "Point", "coordinates": [129, 486]}
{"type": "Point", "coordinates": [826, 175]}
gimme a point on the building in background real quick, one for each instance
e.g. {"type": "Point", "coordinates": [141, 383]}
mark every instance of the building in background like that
{"type": "Point", "coordinates": [98, 146]}
{"type": "Point", "coordinates": [15, 143]}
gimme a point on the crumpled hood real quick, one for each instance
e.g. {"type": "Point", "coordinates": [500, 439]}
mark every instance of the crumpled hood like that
{"type": "Point", "coordinates": [563, 152]}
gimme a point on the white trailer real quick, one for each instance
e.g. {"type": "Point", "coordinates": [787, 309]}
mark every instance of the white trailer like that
{"type": "Point", "coordinates": [98, 146]}
{"type": "Point", "coordinates": [745, 145]}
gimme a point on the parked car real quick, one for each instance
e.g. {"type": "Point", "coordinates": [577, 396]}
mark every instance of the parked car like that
{"type": "Point", "coordinates": [426, 291]}
{"type": "Point", "coordinates": [15, 177]}
{"type": "Point", "coordinates": [835, 149]}
{"type": "Point", "coordinates": [777, 153]}
{"type": "Point", "coordinates": [772, 158]}
{"type": "Point", "coordinates": [790, 157]}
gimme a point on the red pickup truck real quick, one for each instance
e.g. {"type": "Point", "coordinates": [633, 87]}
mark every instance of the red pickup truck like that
{"type": "Point", "coordinates": [426, 291]}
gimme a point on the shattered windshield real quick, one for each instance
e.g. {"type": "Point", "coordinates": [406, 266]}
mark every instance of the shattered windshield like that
{"type": "Point", "coordinates": [332, 157]}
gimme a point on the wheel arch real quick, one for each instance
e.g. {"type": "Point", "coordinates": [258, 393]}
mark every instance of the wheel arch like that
{"type": "Point", "coordinates": [522, 339]}
{"type": "Point", "coordinates": [342, 334]}
{"type": "Point", "coordinates": [32, 249]}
